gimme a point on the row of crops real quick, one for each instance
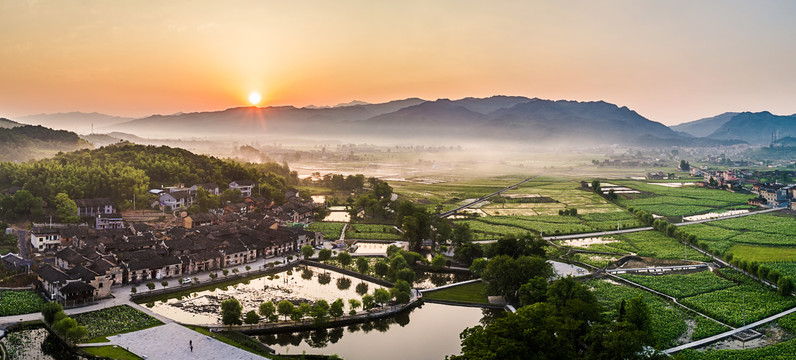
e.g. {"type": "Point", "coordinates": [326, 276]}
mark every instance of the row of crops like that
{"type": "Point", "coordinates": [682, 201]}
{"type": "Point", "coordinates": [670, 322]}
{"type": "Point", "coordinates": [496, 226]}
{"type": "Point", "coordinates": [372, 232]}
{"type": "Point", "coordinates": [14, 302]}
{"type": "Point", "coordinates": [643, 243]}
{"type": "Point", "coordinates": [725, 297]}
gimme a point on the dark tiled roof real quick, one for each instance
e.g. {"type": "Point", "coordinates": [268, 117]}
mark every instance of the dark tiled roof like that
{"type": "Point", "coordinates": [82, 273]}
{"type": "Point", "coordinates": [77, 287]}
{"type": "Point", "coordinates": [71, 256]}
{"type": "Point", "coordinates": [52, 275]}
{"type": "Point", "coordinates": [202, 217]}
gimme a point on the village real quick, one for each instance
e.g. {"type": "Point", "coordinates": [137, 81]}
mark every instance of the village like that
{"type": "Point", "coordinates": [80, 264]}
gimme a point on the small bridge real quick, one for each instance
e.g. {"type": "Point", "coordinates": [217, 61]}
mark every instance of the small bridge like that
{"type": "Point", "coordinates": [657, 269]}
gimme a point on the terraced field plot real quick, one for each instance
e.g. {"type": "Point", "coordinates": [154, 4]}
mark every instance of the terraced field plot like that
{"type": "Point", "coordinates": [495, 226]}
{"type": "Point", "coordinates": [680, 201]}
{"type": "Point", "coordinates": [330, 230]}
{"type": "Point", "coordinates": [372, 232]}
{"type": "Point", "coordinates": [729, 305]}
{"type": "Point", "coordinates": [668, 320]}
{"type": "Point", "coordinates": [682, 285]}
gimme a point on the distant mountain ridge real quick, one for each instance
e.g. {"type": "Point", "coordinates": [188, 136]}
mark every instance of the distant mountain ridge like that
{"type": "Point", "coordinates": [79, 122]}
{"type": "Point", "coordinates": [706, 126]}
{"type": "Point", "coordinates": [758, 128]}
{"type": "Point", "coordinates": [6, 123]}
{"type": "Point", "coordinates": [496, 118]}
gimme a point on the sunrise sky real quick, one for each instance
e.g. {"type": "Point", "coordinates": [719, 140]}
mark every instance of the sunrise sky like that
{"type": "Point", "coordinates": [672, 61]}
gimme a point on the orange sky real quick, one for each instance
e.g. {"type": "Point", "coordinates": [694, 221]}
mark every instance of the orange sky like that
{"type": "Point", "coordinates": [672, 61]}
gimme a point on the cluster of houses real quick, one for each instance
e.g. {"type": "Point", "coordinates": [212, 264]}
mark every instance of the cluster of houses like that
{"type": "Point", "coordinates": [87, 261]}
{"type": "Point", "coordinates": [774, 195]}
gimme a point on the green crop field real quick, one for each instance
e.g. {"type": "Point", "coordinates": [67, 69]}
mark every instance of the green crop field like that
{"type": "Point", "coordinates": [372, 232]}
{"type": "Point", "coordinates": [763, 254]}
{"type": "Point", "coordinates": [680, 286]}
{"type": "Point", "coordinates": [14, 302]}
{"type": "Point", "coordinates": [657, 245]}
{"type": "Point", "coordinates": [728, 305]}
{"type": "Point", "coordinates": [115, 320]}
{"type": "Point", "coordinates": [675, 202]}
{"type": "Point", "coordinates": [668, 320]}
{"type": "Point", "coordinates": [330, 230]}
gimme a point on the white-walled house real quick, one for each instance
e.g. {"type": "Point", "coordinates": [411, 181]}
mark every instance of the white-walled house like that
{"type": "Point", "coordinates": [245, 187]}
{"type": "Point", "coordinates": [42, 239]}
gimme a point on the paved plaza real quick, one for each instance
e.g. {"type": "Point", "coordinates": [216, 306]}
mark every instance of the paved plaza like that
{"type": "Point", "coordinates": [170, 341]}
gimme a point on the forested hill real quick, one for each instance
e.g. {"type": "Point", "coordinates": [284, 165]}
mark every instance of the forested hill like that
{"type": "Point", "coordinates": [22, 143]}
{"type": "Point", "coordinates": [119, 171]}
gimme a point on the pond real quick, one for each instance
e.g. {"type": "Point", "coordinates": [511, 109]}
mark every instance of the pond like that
{"type": "Point", "coordinates": [430, 331]}
{"type": "Point", "coordinates": [204, 307]}
{"type": "Point", "coordinates": [338, 216]}
{"type": "Point", "coordinates": [429, 280]}
{"type": "Point", "coordinates": [36, 343]}
{"type": "Point", "coordinates": [318, 199]}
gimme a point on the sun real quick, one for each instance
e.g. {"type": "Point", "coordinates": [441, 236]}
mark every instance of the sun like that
{"type": "Point", "coordinates": [254, 98]}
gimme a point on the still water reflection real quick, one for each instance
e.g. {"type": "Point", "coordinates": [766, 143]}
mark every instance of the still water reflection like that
{"type": "Point", "coordinates": [430, 331]}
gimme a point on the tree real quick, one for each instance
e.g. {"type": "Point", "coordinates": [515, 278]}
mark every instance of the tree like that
{"type": "Point", "coordinates": [231, 310]}
{"type": "Point", "coordinates": [307, 251]}
{"type": "Point", "coordinates": [164, 283]}
{"type": "Point", "coordinates": [344, 258]}
{"type": "Point", "coordinates": [320, 311]}
{"type": "Point", "coordinates": [467, 252]}
{"type": "Point", "coordinates": [133, 290]}
{"type": "Point", "coordinates": [462, 234]}
{"type": "Point", "coordinates": [595, 186]}
{"type": "Point", "coordinates": [49, 310]}
{"type": "Point", "coordinates": [324, 254]}
{"type": "Point", "coordinates": [438, 262]}
{"type": "Point", "coordinates": [362, 265]}
{"type": "Point", "coordinates": [336, 308]}
{"type": "Point", "coordinates": [406, 274]}
{"type": "Point", "coordinates": [381, 296]}
{"type": "Point", "coordinates": [231, 196]}
{"type": "Point", "coordinates": [65, 208]}
{"type": "Point", "coordinates": [478, 266]}
{"type": "Point", "coordinates": [638, 314]}
{"type": "Point", "coordinates": [251, 317]}
{"type": "Point", "coordinates": [150, 285]}
{"type": "Point", "coordinates": [63, 325]}
{"type": "Point", "coordinates": [304, 309]}
{"type": "Point", "coordinates": [76, 333]}
{"type": "Point", "coordinates": [297, 314]}
{"type": "Point", "coordinates": [534, 291]}
{"type": "Point", "coordinates": [381, 268]}
{"type": "Point", "coordinates": [368, 301]}
{"type": "Point", "coordinates": [353, 304]}
{"type": "Point", "coordinates": [248, 268]}
{"type": "Point", "coordinates": [785, 285]}
{"type": "Point", "coordinates": [285, 308]}
{"type": "Point", "coordinates": [267, 309]}
{"type": "Point", "coordinates": [505, 275]}
{"type": "Point", "coordinates": [402, 292]}
{"type": "Point", "coordinates": [225, 272]}
{"type": "Point", "coordinates": [684, 165]}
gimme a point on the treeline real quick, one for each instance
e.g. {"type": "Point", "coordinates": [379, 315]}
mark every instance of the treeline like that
{"type": "Point", "coordinates": [127, 171]}
{"type": "Point", "coordinates": [28, 142]}
{"type": "Point", "coordinates": [336, 181]}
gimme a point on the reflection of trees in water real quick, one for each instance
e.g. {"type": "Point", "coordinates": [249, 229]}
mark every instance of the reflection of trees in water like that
{"type": "Point", "coordinates": [56, 349]}
{"type": "Point", "coordinates": [490, 315]}
{"type": "Point", "coordinates": [439, 279]}
{"type": "Point", "coordinates": [321, 337]}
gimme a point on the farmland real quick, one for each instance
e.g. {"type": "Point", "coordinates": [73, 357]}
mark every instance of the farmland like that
{"type": "Point", "coordinates": [682, 201]}
{"type": "Point", "coordinates": [668, 320]}
{"type": "Point", "coordinates": [680, 286]}
{"type": "Point", "coordinates": [372, 232]}
{"type": "Point", "coordinates": [19, 302]}
{"type": "Point", "coordinates": [330, 230]}
{"type": "Point", "coordinates": [728, 305]}
{"type": "Point", "coordinates": [114, 320]}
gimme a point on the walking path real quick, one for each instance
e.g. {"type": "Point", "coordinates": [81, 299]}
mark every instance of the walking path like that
{"type": "Point", "coordinates": [451, 212]}
{"type": "Point", "coordinates": [171, 341]}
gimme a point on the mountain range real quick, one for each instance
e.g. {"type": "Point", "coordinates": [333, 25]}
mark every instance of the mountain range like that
{"type": "Point", "coordinates": [444, 121]}
{"type": "Point", "coordinates": [496, 118]}
{"type": "Point", "coordinates": [756, 128]}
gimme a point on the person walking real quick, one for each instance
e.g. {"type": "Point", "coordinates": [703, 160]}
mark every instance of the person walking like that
{"type": "Point", "coordinates": [190, 344]}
